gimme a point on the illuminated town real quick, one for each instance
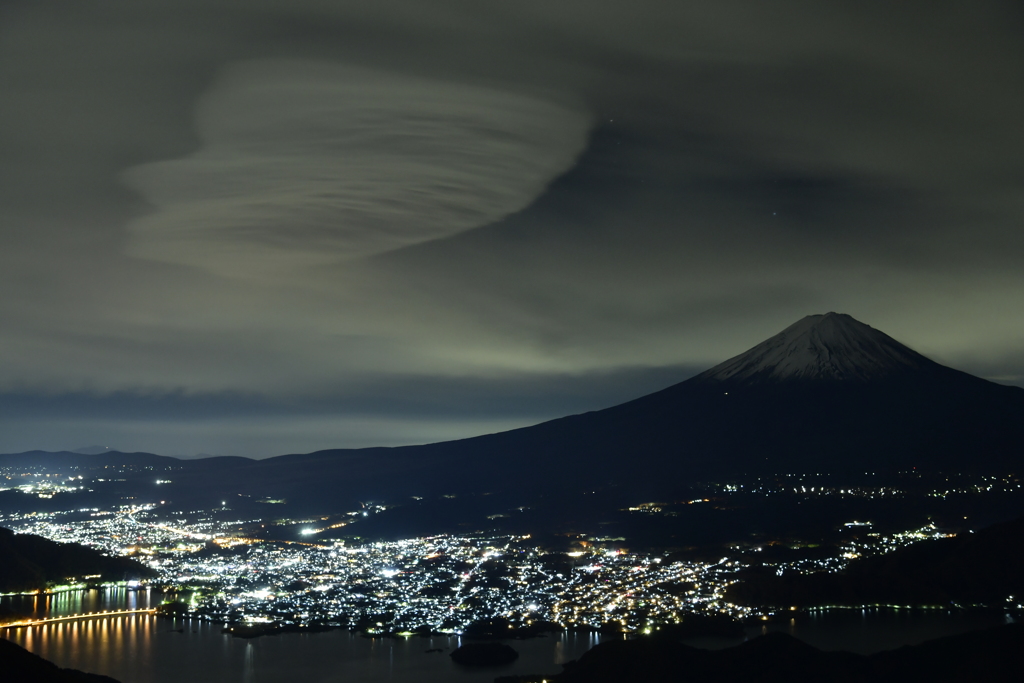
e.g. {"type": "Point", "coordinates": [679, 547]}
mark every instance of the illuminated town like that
{"type": "Point", "coordinates": [226, 569]}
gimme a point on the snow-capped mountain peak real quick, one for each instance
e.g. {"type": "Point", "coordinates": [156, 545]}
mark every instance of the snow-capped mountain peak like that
{"type": "Point", "coordinates": [833, 346]}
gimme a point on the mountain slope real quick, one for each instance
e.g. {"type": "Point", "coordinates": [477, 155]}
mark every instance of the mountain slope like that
{"type": "Point", "coordinates": [828, 394]}
{"type": "Point", "coordinates": [30, 562]}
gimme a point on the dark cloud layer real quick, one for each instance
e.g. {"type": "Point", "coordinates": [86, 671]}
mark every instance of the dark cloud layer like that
{"type": "Point", "coordinates": [277, 226]}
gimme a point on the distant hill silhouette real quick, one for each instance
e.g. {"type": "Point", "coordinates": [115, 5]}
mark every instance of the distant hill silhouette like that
{"type": "Point", "coordinates": [979, 568]}
{"type": "Point", "coordinates": [30, 562]}
{"type": "Point", "coordinates": [93, 450]}
{"type": "Point", "coordinates": [72, 460]}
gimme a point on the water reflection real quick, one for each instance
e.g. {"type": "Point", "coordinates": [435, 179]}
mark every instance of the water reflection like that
{"type": "Point", "coordinates": [67, 603]}
{"type": "Point", "coordinates": [249, 670]}
{"type": "Point", "coordinates": [140, 648]}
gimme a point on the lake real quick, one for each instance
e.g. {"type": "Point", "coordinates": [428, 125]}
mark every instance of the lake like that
{"type": "Point", "coordinates": [148, 649]}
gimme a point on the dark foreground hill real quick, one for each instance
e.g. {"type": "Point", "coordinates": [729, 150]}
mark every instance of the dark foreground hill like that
{"type": "Point", "coordinates": [31, 562]}
{"type": "Point", "coordinates": [986, 656]}
{"type": "Point", "coordinates": [18, 665]}
{"type": "Point", "coordinates": [972, 568]}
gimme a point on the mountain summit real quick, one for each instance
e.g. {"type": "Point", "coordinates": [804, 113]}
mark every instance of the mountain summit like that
{"type": "Point", "coordinates": [826, 395]}
{"type": "Point", "coordinates": [832, 346]}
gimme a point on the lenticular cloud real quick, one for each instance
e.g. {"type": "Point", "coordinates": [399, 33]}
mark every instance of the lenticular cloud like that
{"type": "Point", "coordinates": [306, 163]}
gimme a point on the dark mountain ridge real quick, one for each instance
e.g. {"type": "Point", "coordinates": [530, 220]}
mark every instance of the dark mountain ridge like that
{"type": "Point", "coordinates": [827, 394]}
{"type": "Point", "coordinates": [67, 460]}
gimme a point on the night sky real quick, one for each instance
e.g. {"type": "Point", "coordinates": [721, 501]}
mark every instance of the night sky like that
{"type": "Point", "coordinates": [276, 226]}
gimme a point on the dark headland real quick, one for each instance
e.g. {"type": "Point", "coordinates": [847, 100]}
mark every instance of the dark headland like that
{"type": "Point", "coordinates": [18, 665]}
{"type": "Point", "coordinates": [29, 562]}
{"type": "Point", "coordinates": [986, 656]}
